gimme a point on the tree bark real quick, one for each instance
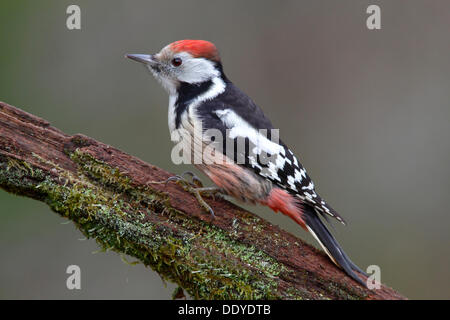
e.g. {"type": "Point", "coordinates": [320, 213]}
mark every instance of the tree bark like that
{"type": "Point", "coordinates": [236, 255]}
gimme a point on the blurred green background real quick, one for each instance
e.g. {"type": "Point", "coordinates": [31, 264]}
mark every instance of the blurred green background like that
{"type": "Point", "coordinates": [367, 112]}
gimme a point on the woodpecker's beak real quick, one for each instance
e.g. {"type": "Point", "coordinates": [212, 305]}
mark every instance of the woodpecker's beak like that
{"type": "Point", "coordinates": [142, 58]}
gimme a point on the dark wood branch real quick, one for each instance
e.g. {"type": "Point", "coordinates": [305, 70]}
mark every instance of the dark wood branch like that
{"type": "Point", "coordinates": [103, 191]}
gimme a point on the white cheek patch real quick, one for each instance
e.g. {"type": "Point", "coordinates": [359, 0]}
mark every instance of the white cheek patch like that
{"type": "Point", "coordinates": [196, 70]}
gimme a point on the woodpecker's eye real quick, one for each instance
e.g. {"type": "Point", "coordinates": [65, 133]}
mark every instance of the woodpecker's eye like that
{"type": "Point", "coordinates": [176, 62]}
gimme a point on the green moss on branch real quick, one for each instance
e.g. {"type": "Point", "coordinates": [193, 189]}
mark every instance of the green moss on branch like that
{"type": "Point", "coordinates": [139, 222]}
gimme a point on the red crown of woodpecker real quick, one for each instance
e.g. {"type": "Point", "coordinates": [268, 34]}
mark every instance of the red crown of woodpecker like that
{"type": "Point", "coordinates": [197, 48]}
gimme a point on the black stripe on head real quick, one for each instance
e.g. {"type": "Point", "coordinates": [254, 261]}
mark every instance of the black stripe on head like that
{"type": "Point", "coordinates": [219, 67]}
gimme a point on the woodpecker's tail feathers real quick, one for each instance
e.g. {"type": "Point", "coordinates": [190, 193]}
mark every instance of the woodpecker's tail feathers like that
{"type": "Point", "coordinates": [317, 228]}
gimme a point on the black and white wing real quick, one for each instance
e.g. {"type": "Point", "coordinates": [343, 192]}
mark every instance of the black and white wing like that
{"type": "Point", "coordinates": [238, 117]}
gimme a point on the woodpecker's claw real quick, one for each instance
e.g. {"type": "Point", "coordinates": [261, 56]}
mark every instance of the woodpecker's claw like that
{"type": "Point", "coordinates": [195, 188]}
{"type": "Point", "coordinates": [211, 192]}
{"type": "Point", "coordinates": [195, 180]}
{"type": "Point", "coordinates": [197, 193]}
{"type": "Point", "coordinates": [165, 182]}
{"type": "Point", "coordinates": [204, 191]}
{"type": "Point", "coordinates": [175, 178]}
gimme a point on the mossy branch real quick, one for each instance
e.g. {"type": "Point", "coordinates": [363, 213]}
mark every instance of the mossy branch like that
{"type": "Point", "coordinates": [236, 255]}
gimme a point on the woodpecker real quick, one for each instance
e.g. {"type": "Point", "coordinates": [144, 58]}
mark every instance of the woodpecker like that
{"type": "Point", "coordinates": [201, 96]}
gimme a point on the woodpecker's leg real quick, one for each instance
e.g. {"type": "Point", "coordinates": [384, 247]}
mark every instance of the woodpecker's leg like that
{"type": "Point", "coordinates": [195, 188]}
{"type": "Point", "coordinates": [203, 191]}
{"type": "Point", "coordinates": [195, 180]}
{"type": "Point", "coordinates": [197, 193]}
{"type": "Point", "coordinates": [211, 192]}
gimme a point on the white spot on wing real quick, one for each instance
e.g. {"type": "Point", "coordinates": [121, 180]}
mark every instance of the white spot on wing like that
{"type": "Point", "coordinates": [309, 187]}
{"type": "Point", "coordinates": [241, 128]}
{"type": "Point", "coordinates": [291, 182]}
